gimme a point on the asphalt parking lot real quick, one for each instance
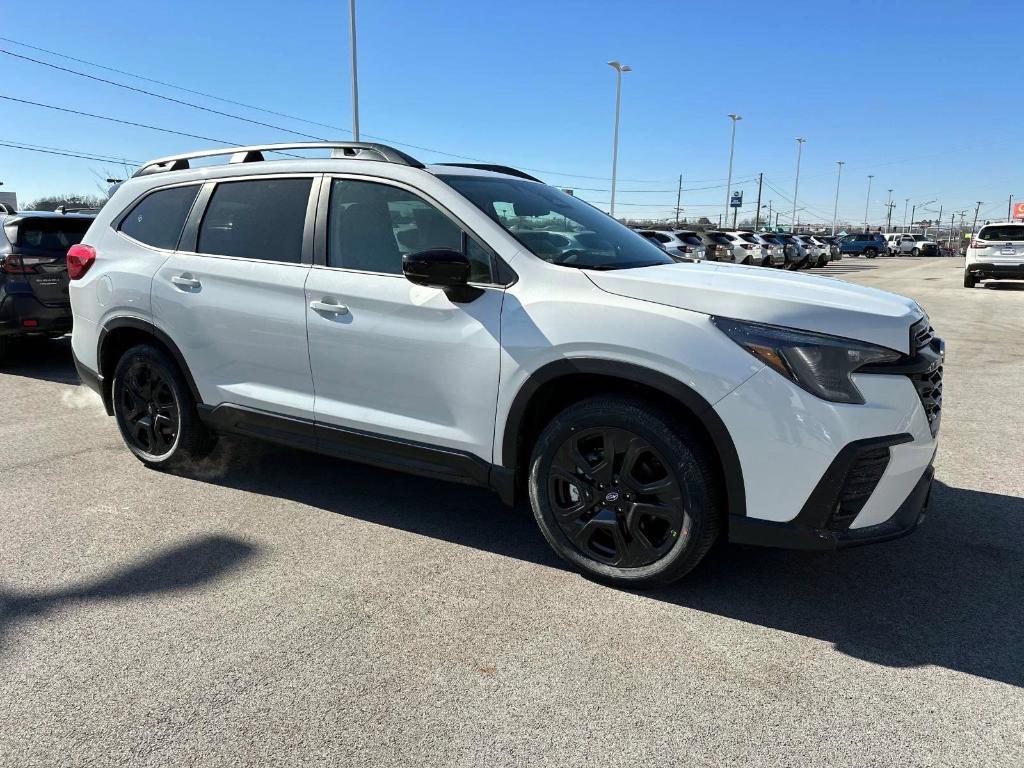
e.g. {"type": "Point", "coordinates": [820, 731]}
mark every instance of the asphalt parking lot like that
{"type": "Point", "coordinates": [279, 607]}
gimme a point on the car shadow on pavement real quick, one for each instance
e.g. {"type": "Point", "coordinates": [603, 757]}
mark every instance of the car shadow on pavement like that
{"type": "Point", "coordinates": [43, 359]}
{"type": "Point", "coordinates": [182, 567]}
{"type": "Point", "coordinates": [949, 595]}
{"type": "Point", "coordinates": [1001, 285]}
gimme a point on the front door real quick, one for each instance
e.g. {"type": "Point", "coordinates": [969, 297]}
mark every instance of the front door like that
{"type": "Point", "coordinates": [392, 360]}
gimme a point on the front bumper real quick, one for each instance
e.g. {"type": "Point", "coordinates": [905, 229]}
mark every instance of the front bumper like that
{"type": "Point", "coordinates": [16, 308]}
{"type": "Point", "coordinates": [788, 498]}
{"type": "Point", "coordinates": [983, 270]}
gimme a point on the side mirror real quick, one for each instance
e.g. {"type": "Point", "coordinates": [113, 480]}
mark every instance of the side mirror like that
{"type": "Point", "coordinates": [443, 268]}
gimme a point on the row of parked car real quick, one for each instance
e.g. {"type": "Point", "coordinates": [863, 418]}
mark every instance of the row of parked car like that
{"type": "Point", "coordinates": [766, 249]}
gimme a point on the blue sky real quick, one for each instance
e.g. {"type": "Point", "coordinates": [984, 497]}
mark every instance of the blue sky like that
{"type": "Point", "coordinates": [921, 94]}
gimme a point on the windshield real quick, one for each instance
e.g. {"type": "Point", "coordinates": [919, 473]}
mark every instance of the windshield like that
{"type": "Point", "coordinates": [557, 227]}
{"type": "Point", "coordinates": [1002, 232]}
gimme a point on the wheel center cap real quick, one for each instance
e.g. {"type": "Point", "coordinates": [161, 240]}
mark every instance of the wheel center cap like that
{"type": "Point", "coordinates": [611, 497]}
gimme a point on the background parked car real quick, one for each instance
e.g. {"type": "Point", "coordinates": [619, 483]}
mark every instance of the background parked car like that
{"type": "Point", "coordinates": [913, 245]}
{"type": "Point", "coordinates": [684, 244]}
{"type": "Point", "coordinates": [812, 248]}
{"type": "Point", "coordinates": [771, 252]}
{"type": "Point", "coordinates": [735, 248]}
{"type": "Point", "coordinates": [781, 248]}
{"type": "Point", "coordinates": [868, 244]}
{"type": "Point", "coordinates": [34, 273]}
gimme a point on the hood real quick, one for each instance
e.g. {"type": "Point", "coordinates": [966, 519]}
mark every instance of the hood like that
{"type": "Point", "coordinates": [757, 294]}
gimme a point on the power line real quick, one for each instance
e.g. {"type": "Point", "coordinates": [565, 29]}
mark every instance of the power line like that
{"type": "Point", "coordinates": [66, 152]}
{"type": "Point", "coordinates": [221, 113]}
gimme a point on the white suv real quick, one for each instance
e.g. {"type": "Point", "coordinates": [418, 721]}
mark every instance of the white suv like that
{"type": "Point", "coordinates": [997, 251]}
{"type": "Point", "coordinates": [473, 324]}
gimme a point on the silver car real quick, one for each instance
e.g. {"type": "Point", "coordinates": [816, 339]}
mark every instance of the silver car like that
{"type": "Point", "coordinates": [682, 244]}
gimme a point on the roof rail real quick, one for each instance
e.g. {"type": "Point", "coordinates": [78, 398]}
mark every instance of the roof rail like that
{"type": "Point", "coordinates": [254, 154]}
{"type": "Point", "coordinates": [507, 170]}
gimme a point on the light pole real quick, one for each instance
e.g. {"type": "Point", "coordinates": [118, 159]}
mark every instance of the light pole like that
{"type": "Point", "coordinates": [835, 209]}
{"type": "Point", "coordinates": [867, 202]}
{"type": "Point", "coordinates": [888, 215]}
{"type": "Point", "coordinates": [732, 146]}
{"type": "Point", "coordinates": [906, 202]}
{"type": "Point", "coordinates": [619, 69]}
{"type": "Point", "coordinates": [355, 77]}
{"type": "Point", "coordinates": [796, 187]}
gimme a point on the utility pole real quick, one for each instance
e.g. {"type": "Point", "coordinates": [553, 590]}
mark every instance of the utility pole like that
{"type": "Point", "coordinates": [867, 202]}
{"type": "Point", "coordinates": [913, 210]}
{"type": "Point", "coordinates": [770, 213]}
{"type": "Point", "coordinates": [679, 197]}
{"type": "Point", "coordinates": [835, 208]}
{"type": "Point", "coordinates": [977, 208]}
{"type": "Point", "coordinates": [732, 146]}
{"type": "Point", "coordinates": [939, 222]}
{"type": "Point", "coordinates": [796, 187]}
{"type": "Point", "coordinates": [757, 215]}
{"type": "Point", "coordinates": [888, 216]}
{"type": "Point", "coordinates": [906, 204]}
{"type": "Point", "coordinates": [952, 219]}
{"type": "Point", "coordinates": [776, 220]}
{"type": "Point", "coordinates": [355, 77]}
{"type": "Point", "coordinates": [1009, 209]}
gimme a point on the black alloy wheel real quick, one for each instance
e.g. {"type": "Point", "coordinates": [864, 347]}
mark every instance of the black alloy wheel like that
{"type": "Point", "coordinates": [148, 409]}
{"type": "Point", "coordinates": [155, 410]}
{"type": "Point", "coordinates": [625, 492]}
{"type": "Point", "coordinates": [615, 497]}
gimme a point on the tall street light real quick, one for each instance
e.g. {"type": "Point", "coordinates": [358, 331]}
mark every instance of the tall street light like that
{"type": "Point", "coordinates": [906, 205]}
{"type": "Point", "coordinates": [835, 209]}
{"type": "Point", "coordinates": [867, 202]}
{"type": "Point", "coordinates": [355, 77]}
{"type": "Point", "coordinates": [732, 146]}
{"type": "Point", "coordinates": [619, 69]}
{"type": "Point", "coordinates": [799, 151]}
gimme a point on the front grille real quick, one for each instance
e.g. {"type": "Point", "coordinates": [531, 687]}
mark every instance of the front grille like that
{"type": "Point", "coordinates": [928, 382]}
{"type": "Point", "coordinates": [858, 485]}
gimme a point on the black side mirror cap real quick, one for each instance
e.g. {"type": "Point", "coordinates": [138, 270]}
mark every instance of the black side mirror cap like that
{"type": "Point", "coordinates": [443, 268]}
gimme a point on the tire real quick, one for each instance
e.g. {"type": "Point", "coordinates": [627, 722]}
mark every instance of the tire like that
{"type": "Point", "coordinates": [915, 251]}
{"type": "Point", "coordinates": [969, 280]}
{"type": "Point", "coordinates": [155, 410]}
{"type": "Point", "coordinates": [568, 473]}
{"type": "Point", "coordinates": [871, 253]}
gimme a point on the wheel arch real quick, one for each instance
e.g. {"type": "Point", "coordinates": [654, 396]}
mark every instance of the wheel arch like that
{"type": "Point", "coordinates": [121, 333]}
{"type": "Point", "coordinates": [558, 384]}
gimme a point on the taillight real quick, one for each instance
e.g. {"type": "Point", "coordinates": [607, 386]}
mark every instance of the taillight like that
{"type": "Point", "coordinates": [979, 244]}
{"type": "Point", "coordinates": [747, 247]}
{"type": "Point", "coordinates": [13, 265]}
{"type": "Point", "coordinates": [80, 258]}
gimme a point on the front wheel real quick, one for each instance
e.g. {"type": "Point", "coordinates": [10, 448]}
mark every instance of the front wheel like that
{"type": "Point", "coordinates": [915, 251]}
{"type": "Point", "coordinates": [155, 411]}
{"type": "Point", "coordinates": [969, 280]}
{"type": "Point", "coordinates": [624, 493]}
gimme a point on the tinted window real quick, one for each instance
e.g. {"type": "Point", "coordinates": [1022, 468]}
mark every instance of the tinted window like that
{"type": "Point", "coordinates": [258, 219]}
{"type": "Point", "coordinates": [691, 239]}
{"type": "Point", "coordinates": [159, 217]}
{"type": "Point", "coordinates": [370, 227]}
{"type": "Point", "coordinates": [720, 237]}
{"type": "Point", "coordinates": [748, 237]}
{"type": "Point", "coordinates": [596, 241]}
{"type": "Point", "coordinates": [1005, 232]}
{"type": "Point", "coordinates": [57, 234]}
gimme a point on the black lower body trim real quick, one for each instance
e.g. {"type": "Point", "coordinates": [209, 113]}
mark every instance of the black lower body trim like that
{"type": "Point", "coordinates": [354, 445]}
{"type": "Point", "coordinates": [793, 535]}
{"type": "Point", "coordinates": [89, 377]}
{"type": "Point", "coordinates": [984, 271]}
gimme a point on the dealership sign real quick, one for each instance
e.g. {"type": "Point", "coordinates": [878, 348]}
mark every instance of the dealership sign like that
{"type": "Point", "coordinates": [1018, 211]}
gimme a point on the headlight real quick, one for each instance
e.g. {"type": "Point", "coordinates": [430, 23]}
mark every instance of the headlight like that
{"type": "Point", "coordinates": [820, 364]}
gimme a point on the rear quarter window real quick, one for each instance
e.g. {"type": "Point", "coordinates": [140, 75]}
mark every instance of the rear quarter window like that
{"type": "Point", "coordinates": [157, 219]}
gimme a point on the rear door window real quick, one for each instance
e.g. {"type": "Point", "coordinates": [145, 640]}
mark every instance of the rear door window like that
{"type": "Point", "coordinates": [157, 219]}
{"type": "Point", "coordinates": [258, 219]}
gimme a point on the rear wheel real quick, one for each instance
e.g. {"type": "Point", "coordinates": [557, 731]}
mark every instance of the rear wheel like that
{"type": "Point", "coordinates": [915, 251]}
{"type": "Point", "coordinates": [969, 280]}
{"type": "Point", "coordinates": [624, 493]}
{"type": "Point", "coordinates": [155, 411]}
{"type": "Point", "coordinates": [871, 253]}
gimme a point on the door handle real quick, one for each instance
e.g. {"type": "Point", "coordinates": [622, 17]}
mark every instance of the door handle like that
{"type": "Point", "coordinates": [328, 307]}
{"type": "Point", "coordinates": [186, 282]}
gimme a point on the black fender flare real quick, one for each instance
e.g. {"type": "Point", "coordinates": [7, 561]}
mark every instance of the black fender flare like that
{"type": "Point", "coordinates": [144, 326]}
{"type": "Point", "coordinates": [699, 407]}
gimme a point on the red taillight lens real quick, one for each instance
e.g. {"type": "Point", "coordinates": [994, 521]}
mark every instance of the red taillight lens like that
{"type": "Point", "coordinates": [13, 265]}
{"type": "Point", "coordinates": [748, 247]}
{"type": "Point", "coordinates": [80, 258]}
{"type": "Point", "coordinates": [979, 244]}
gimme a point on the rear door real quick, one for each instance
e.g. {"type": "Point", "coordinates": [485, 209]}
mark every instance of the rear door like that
{"type": "Point", "coordinates": [231, 296]}
{"type": "Point", "coordinates": [39, 250]}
